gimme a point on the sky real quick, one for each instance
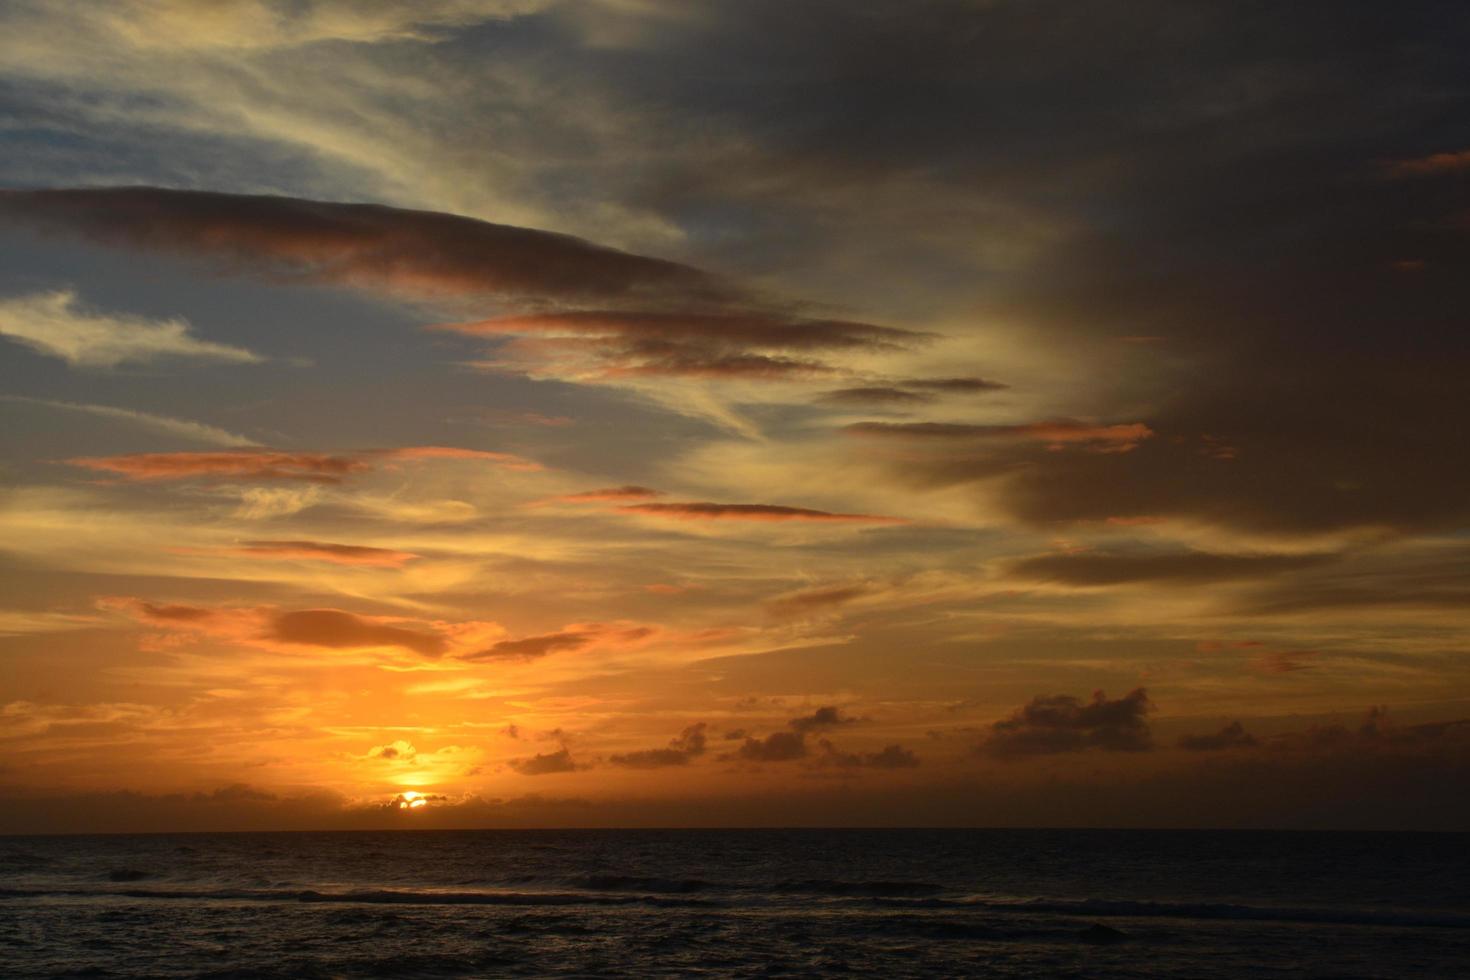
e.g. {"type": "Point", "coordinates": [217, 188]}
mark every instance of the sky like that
{"type": "Point", "coordinates": [696, 413]}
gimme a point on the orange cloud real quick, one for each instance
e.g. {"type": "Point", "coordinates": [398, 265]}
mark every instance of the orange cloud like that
{"type": "Point", "coordinates": [629, 492]}
{"type": "Point", "coordinates": [752, 512]}
{"type": "Point", "coordinates": [1432, 165]}
{"type": "Point", "coordinates": [1055, 433]}
{"type": "Point", "coordinates": [338, 554]}
{"type": "Point", "coordinates": [250, 464]}
{"type": "Point", "coordinates": [664, 588]}
{"type": "Point", "coordinates": [275, 629]}
{"type": "Point", "coordinates": [244, 463]}
{"type": "Point", "coordinates": [510, 460]}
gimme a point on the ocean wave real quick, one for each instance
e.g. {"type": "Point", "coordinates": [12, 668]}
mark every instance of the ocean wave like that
{"type": "Point", "coordinates": [1113, 908]}
{"type": "Point", "coordinates": [614, 890]}
{"type": "Point", "coordinates": [635, 883]}
{"type": "Point", "coordinates": [845, 889]}
{"type": "Point", "coordinates": [359, 897]}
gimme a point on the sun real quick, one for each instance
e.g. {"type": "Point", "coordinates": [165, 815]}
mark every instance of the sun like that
{"type": "Point", "coordinates": [410, 800]}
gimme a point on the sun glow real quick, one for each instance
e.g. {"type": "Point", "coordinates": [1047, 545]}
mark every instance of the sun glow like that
{"type": "Point", "coordinates": [410, 800]}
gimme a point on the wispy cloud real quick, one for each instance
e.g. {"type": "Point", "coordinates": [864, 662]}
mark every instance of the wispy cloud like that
{"type": "Point", "coordinates": [196, 431]}
{"type": "Point", "coordinates": [700, 511]}
{"type": "Point", "coordinates": [270, 464]}
{"type": "Point", "coordinates": [57, 325]}
{"type": "Point", "coordinates": [1055, 433]}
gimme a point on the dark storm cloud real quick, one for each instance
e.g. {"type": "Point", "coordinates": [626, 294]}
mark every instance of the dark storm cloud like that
{"type": "Point", "coordinates": [828, 716]}
{"type": "Point", "coordinates": [1232, 736]}
{"type": "Point", "coordinates": [1184, 567]}
{"type": "Point", "coordinates": [1059, 723]}
{"type": "Point", "coordinates": [366, 246]}
{"type": "Point", "coordinates": [689, 744]}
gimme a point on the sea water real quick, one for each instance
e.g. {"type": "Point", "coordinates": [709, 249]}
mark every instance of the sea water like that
{"type": "Point", "coordinates": [690, 903]}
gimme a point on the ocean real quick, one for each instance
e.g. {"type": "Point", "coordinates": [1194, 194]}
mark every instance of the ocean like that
{"type": "Point", "coordinates": [737, 903]}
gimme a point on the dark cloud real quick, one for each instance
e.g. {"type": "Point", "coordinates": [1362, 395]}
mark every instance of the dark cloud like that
{"type": "Point", "coordinates": [753, 512]}
{"type": "Point", "coordinates": [1060, 723]}
{"type": "Point", "coordinates": [775, 747]}
{"type": "Point", "coordinates": [174, 613]}
{"type": "Point", "coordinates": [394, 750]}
{"type": "Point", "coordinates": [891, 757]}
{"type": "Point", "coordinates": [573, 637]}
{"type": "Point", "coordinates": [405, 802]}
{"type": "Point", "coordinates": [1184, 567]}
{"type": "Point", "coordinates": [962, 386]}
{"type": "Point", "coordinates": [873, 396]}
{"type": "Point", "coordinates": [1375, 733]}
{"type": "Point", "coordinates": [336, 629]}
{"type": "Point", "coordinates": [1436, 578]}
{"type": "Point", "coordinates": [689, 744]}
{"type": "Point", "coordinates": [811, 601]}
{"type": "Point", "coordinates": [545, 763]}
{"type": "Point", "coordinates": [1232, 736]}
{"type": "Point", "coordinates": [705, 331]}
{"type": "Point", "coordinates": [366, 246]}
{"type": "Point", "coordinates": [1247, 189]}
{"type": "Point", "coordinates": [828, 716]}
{"type": "Point", "coordinates": [750, 344]}
{"type": "Point", "coordinates": [533, 647]}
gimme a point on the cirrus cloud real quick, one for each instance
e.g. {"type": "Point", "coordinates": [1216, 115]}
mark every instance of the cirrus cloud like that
{"type": "Point", "coordinates": [702, 511]}
{"type": "Point", "coordinates": [270, 464]}
{"type": "Point", "coordinates": [57, 325]}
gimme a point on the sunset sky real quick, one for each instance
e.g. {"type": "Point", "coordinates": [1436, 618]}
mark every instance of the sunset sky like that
{"type": "Point", "coordinates": [679, 412]}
